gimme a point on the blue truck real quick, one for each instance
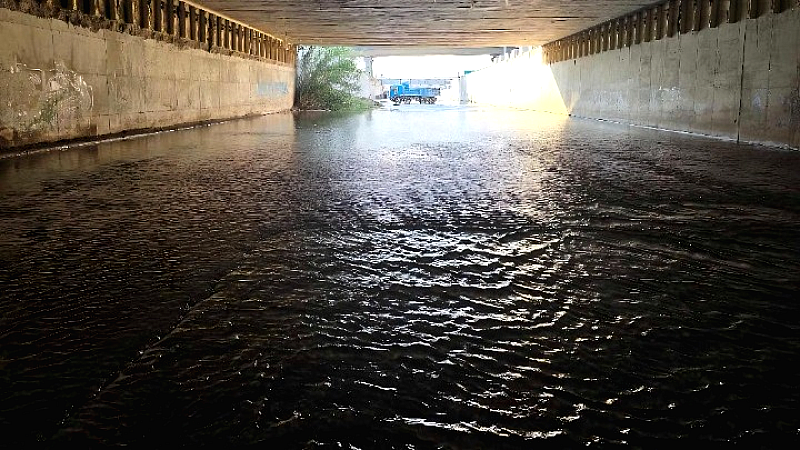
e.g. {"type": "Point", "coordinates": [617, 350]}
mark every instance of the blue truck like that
{"type": "Point", "coordinates": [402, 93]}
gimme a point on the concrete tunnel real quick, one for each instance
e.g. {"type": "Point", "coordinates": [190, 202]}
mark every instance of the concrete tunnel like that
{"type": "Point", "coordinates": [84, 69]}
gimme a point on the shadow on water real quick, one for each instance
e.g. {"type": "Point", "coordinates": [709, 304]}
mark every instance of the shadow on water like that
{"type": "Point", "coordinates": [439, 277]}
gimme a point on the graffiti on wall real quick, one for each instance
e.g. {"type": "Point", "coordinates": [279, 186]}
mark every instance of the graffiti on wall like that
{"type": "Point", "coordinates": [272, 89]}
{"type": "Point", "coordinates": [42, 100]}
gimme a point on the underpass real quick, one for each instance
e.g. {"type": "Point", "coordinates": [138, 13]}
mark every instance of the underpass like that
{"type": "Point", "coordinates": [550, 265]}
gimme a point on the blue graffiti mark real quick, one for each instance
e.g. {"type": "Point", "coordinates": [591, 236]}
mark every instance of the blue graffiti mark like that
{"type": "Point", "coordinates": [272, 89]}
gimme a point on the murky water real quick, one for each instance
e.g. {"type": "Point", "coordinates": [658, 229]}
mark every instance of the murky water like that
{"type": "Point", "coordinates": [431, 277]}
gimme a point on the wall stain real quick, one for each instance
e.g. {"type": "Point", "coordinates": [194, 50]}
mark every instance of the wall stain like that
{"type": "Point", "coordinates": [43, 99]}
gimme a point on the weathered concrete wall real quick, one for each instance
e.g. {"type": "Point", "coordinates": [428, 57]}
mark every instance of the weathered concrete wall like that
{"type": "Point", "coordinates": [59, 81]}
{"type": "Point", "coordinates": [738, 80]}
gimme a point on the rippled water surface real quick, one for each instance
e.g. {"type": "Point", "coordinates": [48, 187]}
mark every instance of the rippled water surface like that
{"type": "Point", "coordinates": [430, 277]}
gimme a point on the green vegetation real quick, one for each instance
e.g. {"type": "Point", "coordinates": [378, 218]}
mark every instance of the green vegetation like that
{"type": "Point", "coordinates": [327, 77]}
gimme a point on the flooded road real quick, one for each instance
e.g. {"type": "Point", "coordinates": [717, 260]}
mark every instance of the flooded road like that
{"type": "Point", "coordinates": [429, 277]}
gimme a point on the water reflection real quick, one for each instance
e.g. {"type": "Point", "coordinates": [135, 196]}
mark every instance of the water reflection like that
{"type": "Point", "coordinates": [431, 276]}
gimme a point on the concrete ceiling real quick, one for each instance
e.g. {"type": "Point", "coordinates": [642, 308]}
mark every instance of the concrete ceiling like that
{"type": "Point", "coordinates": [377, 52]}
{"type": "Point", "coordinates": [423, 23]}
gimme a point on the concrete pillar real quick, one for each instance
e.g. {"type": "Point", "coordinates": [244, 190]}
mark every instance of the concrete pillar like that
{"type": "Point", "coordinates": [586, 43]}
{"type": "Point", "coordinates": [183, 20]}
{"type": "Point", "coordinates": [571, 47]}
{"type": "Point", "coordinates": [623, 33]}
{"type": "Point", "coordinates": [191, 15]}
{"type": "Point", "coordinates": [652, 20]}
{"type": "Point", "coordinates": [686, 19]}
{"type": "Point", "coordinates": [213, 31]}
{"type": "Point", "coordinates": [219, 39]}
{"type": "Point", "coordinates": [158, 18]}
{"type": "Point", "coordinates": [612, 34]}
{"type": "Point", "coordinates": [271, 48]}
{"type": "Point", "coordinates": [738, 10]}
{"type": "Point", "coordinates": [694, 6]}
{"type": "Point", "coordinates": [134, 12]}
{"type": "Point", "coordinates": [779, 6]}
{"type": "Point", "coordinates": [98, 8]}
{"type": "Point", "coordinates": [237, 37]}
{"type": "Point", "coordinates": [757, 8]}
{"type": "Point", "coordinates": [598, 38]}
{"type": "Point", "coordinates": [638, 26]}
{"type": "Point", "coordinates": [169, 17]}
{"type": "Point", "coordinates": [147, 14]}
{"type": "Point", "coordinates": [646, 26]}
{"type": "Point", "coordinates": [672, 18]}
{"type": "Point", "coordinates": [703, 13]}
{"type": "Point", "coordinates": [571, 44]}
{"type": "Point", "coordinates": [223, 32]}
{"type": "Point", "coordinates": [714, 14]}
{"type": "Point", "coordinates": [624, 37]}
{"type": "Point", "coordinates": [575, 47]}
{"type": "Point", "coordinates": [629, 27]}
{"type": "Point", "coordinates": [203, 27]}
{"type": "Point", "coordinates": [114, 10]}
{"type": "Point", "coordinates": [661, 21]}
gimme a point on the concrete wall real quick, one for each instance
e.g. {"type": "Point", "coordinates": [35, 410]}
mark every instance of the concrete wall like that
{"type": "Point", "coordinates": [59, 81]}
{"type": "Point", "coordinates": [739, 80]}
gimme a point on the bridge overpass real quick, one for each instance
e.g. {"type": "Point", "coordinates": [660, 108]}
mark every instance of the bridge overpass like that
{"type": "Point", "coordinates": [81, 69]}
{"type": "Point", "coordinates": [424, 23]}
